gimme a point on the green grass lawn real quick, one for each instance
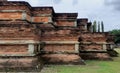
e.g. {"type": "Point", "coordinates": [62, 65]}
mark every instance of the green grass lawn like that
{"type": "Point", "coordinates": [90, 67]}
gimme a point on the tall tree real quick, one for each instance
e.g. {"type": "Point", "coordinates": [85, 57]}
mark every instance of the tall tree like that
{"type": "Point", "coordinates": [102, 26]}
{"type": "Point", "coordinates": [94, 26]}
{"type": "Point", "coordinates": [98, 26]}
{"type": "Point", "coordinates": [116, 34]}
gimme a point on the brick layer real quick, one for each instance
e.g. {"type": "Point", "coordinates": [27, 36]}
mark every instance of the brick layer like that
{"type": "Point", "coordinates": [59, 48]}
{"type": "Point", "coordinates": [65, 23]}
{"type": "Point", "coordinates": [13, 49]}
{"type": "Point", "coordinates": [10, 33]}
{"type": "Point", "coordinates": [91, 47]}
{"type": "Point", "coordinates": [15, 15]}
{"type": "Point", "coordinates": [62, 59]}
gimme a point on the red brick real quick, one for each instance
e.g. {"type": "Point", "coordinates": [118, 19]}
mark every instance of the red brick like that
{"type": "Point", "coordinates": [8, 16]}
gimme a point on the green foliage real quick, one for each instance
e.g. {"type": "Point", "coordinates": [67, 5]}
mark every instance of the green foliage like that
{"type": "Point", "coordinates": [98, 26]}
{"type": "Point", "coordinates": [102, 26]}
{"type": "Point", "coordinates": [94, 26]}
{"type": "Point", "coordinates": [116, 33]}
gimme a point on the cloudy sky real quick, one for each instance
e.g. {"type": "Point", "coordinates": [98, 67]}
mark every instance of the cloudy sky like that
{"type": "Point", "coordinates": [107, 11]}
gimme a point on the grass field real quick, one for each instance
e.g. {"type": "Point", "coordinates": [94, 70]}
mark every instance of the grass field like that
{"type": "Point", "coordinates": [90, 67]}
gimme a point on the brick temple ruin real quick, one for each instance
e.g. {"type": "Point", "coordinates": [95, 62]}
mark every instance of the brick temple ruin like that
{"type": "Point", "coordinates": [31, 34]}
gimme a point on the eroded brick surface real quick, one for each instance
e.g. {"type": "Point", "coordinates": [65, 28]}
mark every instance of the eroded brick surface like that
{"type": "Point", "coordinates": [13, 49]}
{"type": "Point", "coordinates": [60, 48]}
{"type": "Point", "coordinates": [90, 47]}
{"type": "Point", "coordinates": [61, 58]}
{"type": "Point", "coordinates": [41, 19]}
{"type": "Point", "coordinates": [5, 16]}
{"type": "Point", "coordinates": [65, 23]}
{"type": "Point", "coordinates": [26, 62]}
{"type": "Point", "coordinates": [97, 56]}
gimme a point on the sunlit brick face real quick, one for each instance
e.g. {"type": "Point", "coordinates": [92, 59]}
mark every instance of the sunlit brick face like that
{"type": "Point", "coordinates": [10, 15]}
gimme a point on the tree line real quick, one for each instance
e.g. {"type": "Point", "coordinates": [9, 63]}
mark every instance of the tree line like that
{"type": "Point", "coordinates": [98, 26]}
{"type": "Point", "coordinates": [116, 33]}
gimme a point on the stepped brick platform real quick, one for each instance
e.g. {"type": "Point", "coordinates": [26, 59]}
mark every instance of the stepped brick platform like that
{"type": "Point", "coordinates": [31, 36]}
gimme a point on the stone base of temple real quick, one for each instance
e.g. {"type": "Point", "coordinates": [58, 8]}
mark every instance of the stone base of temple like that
{"type": "Point", "coordinates": [95, 56]}
{"type": "Point", "coordinates": [62, 59]}
{"type": "Point", "coordinates": [112, 53]}
{"type": "Point", "coordinates": [20, 64]}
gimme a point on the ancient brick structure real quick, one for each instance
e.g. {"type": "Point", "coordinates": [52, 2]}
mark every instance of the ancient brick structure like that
{"type": "Point", "coordinates": [31, 34]}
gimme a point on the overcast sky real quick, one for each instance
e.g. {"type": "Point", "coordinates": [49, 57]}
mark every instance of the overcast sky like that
{"type": "Point", "coordinates": [107, 11]}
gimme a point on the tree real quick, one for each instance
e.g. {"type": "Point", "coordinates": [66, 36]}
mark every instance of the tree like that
{"type": "Point", "coordinates": [116, 34]}
{"type": "Point", "coordinates": [102, 26]}
{"type": "Point", "coordinates": [98, 26]}
{"type": "Point", "coordinates": [94, 26]}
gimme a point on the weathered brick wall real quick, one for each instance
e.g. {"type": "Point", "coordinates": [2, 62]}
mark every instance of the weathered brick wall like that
{"type": "Point", "coordinates": [45, 26]}
{"type": "Point", "coordinates": [10, 15]}
{"type": "Point", "coordinates": [56, 32]}
{"type": "Point", "coordinates": [93, 41]}
{"type": "Point", "coordinates": [62, 59]}
{"type": "Point", "coordinates": [13, 49]}
{"type": "Point", "coordinates": [59, 48]}
{"type": "Point", "coordinates": [93, 37]}
{"type": "Point", "coordinates": [82, 24]}
{"type": "Point", "coordinates": [59, 35]}
{"type": "Point", "coordinates": [60, 41]}
{"type": "Point", "coordinates": [97, 56]}
{"type": "Point", "coordinates": [23, 11]}
{"type": "Point", "coordinates": [22, 33]}
{"type": "Point", "coordinates": [65, 23]}
{"type": "Point", "coordinates": [41, 14]}
{"type": "Point", "coordinates": [14, 15]}
{"type": "Point", "coordinates": [59, 38]}
{"type": "Point", "coordinates": [91, 47]}
{"type": "Point", "coordinates": [65, 19]}
{"type": "Point", "coordinates": [36, 11]}
{"type": "Point", "coordinates": [39, 19]}
{"type": "Point", "coordinates": [9, 6]}
{"type": "Point", "coordinates": [21, 64]}
{"type": "Point", "coordinates": [82, 28]}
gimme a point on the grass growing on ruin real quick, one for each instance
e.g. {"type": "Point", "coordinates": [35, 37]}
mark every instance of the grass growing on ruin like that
{"type": "Point", "coordinates": [91, 67]}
